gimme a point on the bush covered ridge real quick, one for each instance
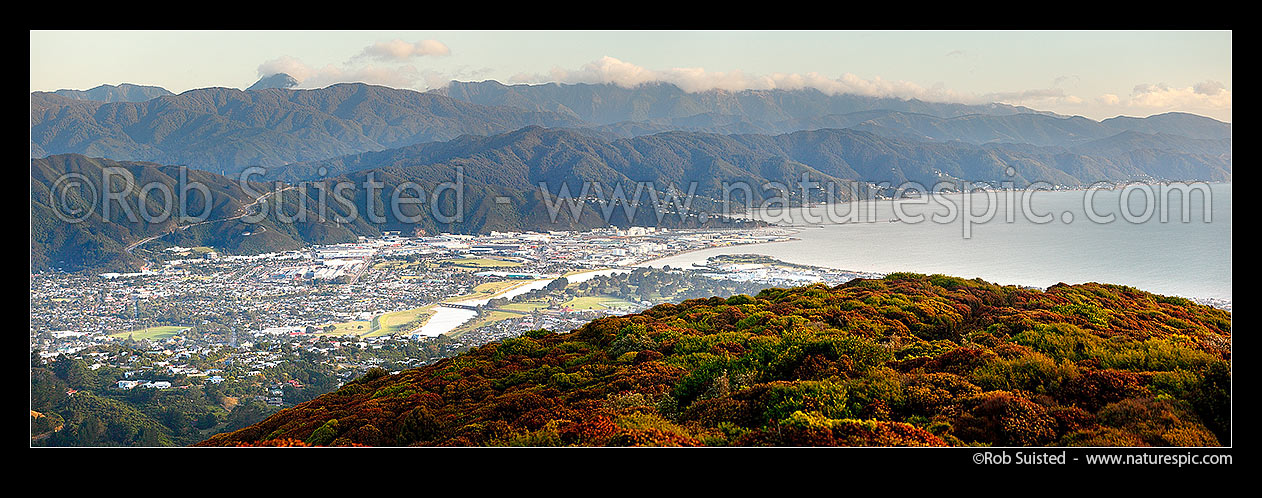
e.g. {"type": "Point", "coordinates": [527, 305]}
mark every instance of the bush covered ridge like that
{"type": "Point", "coordinates": [908, 360]}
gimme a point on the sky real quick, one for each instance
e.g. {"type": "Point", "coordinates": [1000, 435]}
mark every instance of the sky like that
{"type": "Point", "coordinates": [1097, 74]}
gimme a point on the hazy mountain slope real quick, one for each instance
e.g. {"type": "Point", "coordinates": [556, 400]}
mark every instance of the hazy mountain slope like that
{"type": "Point", "coordinates": [1132, 140]}
{"type": "Point", "coordinates": [659, 107]}
{"type": "Point", "coordinates": [534, 155]}
{"type": "Point", "coordinates": [222, 129]}
{"type": "Point", "coordinates": [1035, 129]}
{"type": "Point", "coordinates": [125, 92]}
{"type": "Point", "coordinates": [522, 159]}
{"type": "Point", "coordinates": [278, 80]}
{"type": "Point", "coordinates": [97, 239]}
{"type": "Point", "coordinates": [308, 213]}
{"type": "Point", "coordinates": [607, 103]}
{"type": "Point", "coordinates": [1173, 123]}
{"type": "Point", "coordinates": [226, 130]}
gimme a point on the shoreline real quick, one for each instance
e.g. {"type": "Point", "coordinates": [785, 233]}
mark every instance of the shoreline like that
{"type": "Point", "coordinates": [690, 251]}
{"type": "Point", "coordinates": [1215, 302]}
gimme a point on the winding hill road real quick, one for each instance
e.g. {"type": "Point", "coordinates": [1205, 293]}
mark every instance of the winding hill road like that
{"type": "Point", "coordinates": [242, 212]}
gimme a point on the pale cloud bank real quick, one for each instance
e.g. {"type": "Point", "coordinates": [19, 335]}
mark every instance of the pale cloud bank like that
{"type": "Point", "coordinates": [364, 67]}
{"type": "Point", "coordinates": [1034, 97]}
{"type": "Point", "coordinates": [1109, 99]}
{"type": "Point", "coordinates": [609, 70]}
{"type": "Point", "coordinates": [399, 50]}
{"type": "Point", "coordinates": [1203, 95]}
{"type": "Point", "coordinates": [319, 77]}
{"type": "Point", "coordinates": [1207, 97]}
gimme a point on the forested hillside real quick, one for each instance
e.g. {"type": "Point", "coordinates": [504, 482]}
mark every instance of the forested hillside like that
{"type": "Point", "coordinates": [906, 360]}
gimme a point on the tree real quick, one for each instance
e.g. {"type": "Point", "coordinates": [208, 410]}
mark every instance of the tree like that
{"type": "Point", "coordinates": [557, 285]}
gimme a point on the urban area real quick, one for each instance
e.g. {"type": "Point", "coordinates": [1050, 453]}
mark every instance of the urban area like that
{"type": "Point", "coordinates": [277, 329]}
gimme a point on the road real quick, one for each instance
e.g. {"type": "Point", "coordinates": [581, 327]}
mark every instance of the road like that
{"type": "Point", "coordinates": [242, 212]}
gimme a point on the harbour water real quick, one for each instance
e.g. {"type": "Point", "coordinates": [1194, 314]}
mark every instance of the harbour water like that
{"type": "Point", "coordinates": [1070, 236]}
{"type": "Point", "coordinates": [1040, 246]}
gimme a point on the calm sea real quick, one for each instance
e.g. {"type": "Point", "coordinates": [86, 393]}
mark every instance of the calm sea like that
{"type": "Point", "coordinates": [1136, 248]}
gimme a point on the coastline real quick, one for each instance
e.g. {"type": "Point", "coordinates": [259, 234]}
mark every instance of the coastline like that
{"type": "Point", "coordinates": [1215, 302]}
{"type": "Point", "coordinates": [690, 251]}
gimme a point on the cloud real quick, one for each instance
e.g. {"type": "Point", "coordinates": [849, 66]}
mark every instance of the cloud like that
{"type": "Point", "coordinates": [1210, 98]}
{"type": "Point", "coordinates": [956, 53]}
{"type": "Point", "coordinates": [399, 50]}
{"type": "Point", "coordinates": [1203, 95]}
{"type": "Point", "coordinates": [1210, 88]}
{"type": "Point", "coordinates": [609, 70]}
{"type": "Point", "coordinates": [312, 77]}
{"type": "Point", "coordinates": [362, 68]}
{"type": "Point", "coordinates": [287, 65]}
{"type": "Point", "coordinates": [1060, 80]}
{"type": "Point", "coordinates": [1034, 97]}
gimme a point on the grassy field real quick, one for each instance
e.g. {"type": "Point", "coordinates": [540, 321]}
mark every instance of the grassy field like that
{"type": "Point", "coordinates": [395, 322]}
{"type": "Point", "coordinates": [152, 333]}
{"type": "Point", "coordinates": [357, 327]}
{"type": "Point", "coordinates": [398, 321]}
{"type": "Point", "coordinates": [481, 263]}
{"type": "Point", "coordinates": [489, 289]}
{"type": "Point", "coordinates": [596, 303]}
{"type": "Point", "coordinates": [195, 251]}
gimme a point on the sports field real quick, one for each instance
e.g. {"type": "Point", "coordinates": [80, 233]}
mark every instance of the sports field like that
{"type": "Point", "coordinates": [488, 290]}
{"type": "Point", "coordinates": [481, 263]}
{"type": "Point", "coordinates": [400, 322]}
{"type": "Point", "coordinates": [395, 322]}
{"type": "Point", "coordinates": [151, 333]}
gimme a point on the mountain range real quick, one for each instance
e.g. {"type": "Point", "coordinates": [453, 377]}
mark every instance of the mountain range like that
{"type": "Point", "coordinates": [71, 229]}
{"type": "Point", "coordinates": [278, 80]}
{"type": "Point", "coordinates": [603, 104]}
{"type": "Point", "coordinates": [505, 141]}
{"type": "Point", "coordinates": [226, 130]}
{"type": "Point", "coordinates": [556, 156]}
{"type": "Point", "coordinates": [125, 92]}
{"type": "Point", "coordinates": [653, 108]}
{"type": "Point", "coordinates": [100, 239]}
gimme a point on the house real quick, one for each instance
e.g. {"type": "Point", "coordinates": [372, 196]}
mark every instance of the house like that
{"type": "Point", "coordinates": [127, 384]}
